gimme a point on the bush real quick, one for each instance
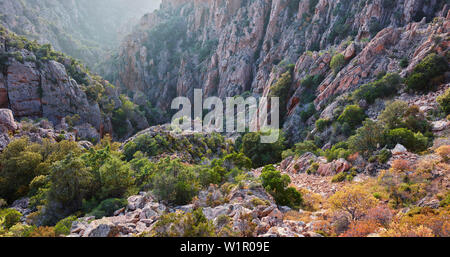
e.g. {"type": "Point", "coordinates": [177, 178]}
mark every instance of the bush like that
{"type": "Point", "coordinates": [224, 170]}
{"type": "Point", "coordinates": [108, 207]}
{"type": "Point", "coordinates": [70, 180]}
{"type": "Point", "coordinates": [353, 200]}
{"type": "Point", "coordinates": [43, 232]}
{"type": "Point", "coordinates": [404, 62]}
{"type": "Point", "coordinates": [10, 216]}
{"type": "Point", "coordinates": [321, 124]}
{"type": "Point", "coordinates": [399, 115]}
{"type": "Point", "coordinates": [367, 138]}
{"type": "Point", "coordinates": [277, 185]}
{"type": "Point", "coordinates": [19, 163]}
{"type": "Point", "coordinates": [339, 177]}
{"type": "Point", "coordinates": [353, 115]}
{"type": "Point", "coordinates": [337, 153]}
{"type": "Point", "coordinates": [63, 226]}
{"type": "Point", "coordinates": [143, 143]}
{"type": "Point", "coordinates": [308, 113]}
{"type": "Point", "coordinates": [180, 224]}
{"type": "Point", "coordinates": [305, 147]}
{"type": "Point", "coordinates": [281, 89]}
{"type": "Point", "coordinates": [337, 63]}
{"type": "Point", "coordinates": [260, 153]}
{"type": "Point", "coordinates": [174, 182]}
{"type": "Point", "coordinates": [413, 142]}
{"type": "Point", "coordinates": [384, 87]}
{"type": "Point", "coordinates": [116, 178]}
{"type": "Point", "coordinates": [444, 101]}
{"type": "Point", "coordinates": [393, 114]}
{"type": "Point", "coordinates": [428, 73]}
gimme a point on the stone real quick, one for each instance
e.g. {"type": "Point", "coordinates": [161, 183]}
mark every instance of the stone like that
{"type": "Point", "coordinates": [440, 125]}
{"type": "Point", "coordinates": [284, 209]}
{"type": "Point", "coordinates": [399, 149]}
{"type": "Point", "coordinates": [7, 120]}
{"type": "Point", "coordinates": [101, 228]}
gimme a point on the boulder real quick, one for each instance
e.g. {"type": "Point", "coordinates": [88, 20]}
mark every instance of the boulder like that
{"type": "Point", "coordinates": [7, 120]}
{"type": "Point", "coordinates": [332, 168]}
{"type": "Point", "coordinates": [440, 125]}
{"type": "Point", "coordinates": [399, 149]}
{"type": "Point", "coordinates": [87, 132]}
{"type": "Point", "coordinates": [101, 228]}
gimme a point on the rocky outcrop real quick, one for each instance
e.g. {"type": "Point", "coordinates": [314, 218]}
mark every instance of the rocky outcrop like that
{"type": "Point", "coordinates": [241, 207]}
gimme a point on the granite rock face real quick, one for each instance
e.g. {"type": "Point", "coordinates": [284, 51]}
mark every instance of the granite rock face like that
{"type": "Point", "coordinates": [229, 48]}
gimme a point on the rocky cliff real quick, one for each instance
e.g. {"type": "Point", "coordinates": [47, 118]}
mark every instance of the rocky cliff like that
{"type": "Point", "coordinates": [86, 30]}
{"type": "Point", "coordinates": [230, 47]}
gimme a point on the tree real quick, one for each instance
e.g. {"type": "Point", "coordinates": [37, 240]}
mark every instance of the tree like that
{"type": "Point", "coordinates": [174, 182]}
{"type": "Point", "coordinates": [259, 153]}
{"type": "Point", "coordinates": [281, 89]}
{"type": "Point", "coordinates": [277, 185]}
{"type": "Point", "coordinates": [393, 114]}
{"type": "Point", "coordinates": [353, 200]}
{"type": "Point", "coordinates": [116, 178]}
{"type": "Point", "coordinates": [19, 163]}
{"type": "Point", "coordinates": [368, 138]}
{"type": "Point", "coordinates": [70, 180]}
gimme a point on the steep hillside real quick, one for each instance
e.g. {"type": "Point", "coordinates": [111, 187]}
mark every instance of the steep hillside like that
{"type": "Point", "coordinates": [228, 48]}
{"type": "Point", "coordinates": [84, 29]}
{"type": "Point", "coordinates": [38, 82]}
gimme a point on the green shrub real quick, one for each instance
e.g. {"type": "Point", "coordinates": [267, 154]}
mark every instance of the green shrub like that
{"type": "Point", "coordinates": [260, 153]}
{"type": "Point", "coordinates": [444, 101]}
{"type": "Point", "coordinates": [399, 114]}
{"type": "Point", "coordinates": [277, 185]}
{"type": "Point", "coordinates": [353, 115]}
{"type": "Point", "coordinates": [337, 153]}
{"type": "Point", "coordinates": [10, 216]}
{"type": "Point", "coordinates": [337, 63]}
{"type": "Point", "coordinates": [339, 177]}
{"type": "Point", "coordinates": [63, 226]}
{"type": "Point", "coordinates": [308, 112]}
{"type": "Point", "coordinates": [413, 142]}
{"type": "Point", "coordinates": [322, 124]}
{"type": "Point", "coordinates": [115, 177]}
{"type": "Point", "coordinates": [384, 156]}
{"type": "Point", "coordinates": [305, 147]}
{"type": "Point", "coordinates": [108, 207]}
{"type": "Point", "coordinates": [143, 143]}
{"type": "Point", "coordinates": [428, 73]}
{"type": "Point", "coordinates": [281, 89]}
{"type": "Point", "coordinates": [179, 224]}
{"type": "Point", "coordinates": [313, 168]}
{"type": "Point", "coordinates": [404, 62]}
{"type": "Point", "coordinates": [393, 114]}
{"type": "Point", "coordinates": [384, 87]}
{"type": "Point", "coordinates": [367, 138]}
{"type": "Point", "coordinates": [174, 182]}
{"type": "Point", "coordinates": [70, 180]}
